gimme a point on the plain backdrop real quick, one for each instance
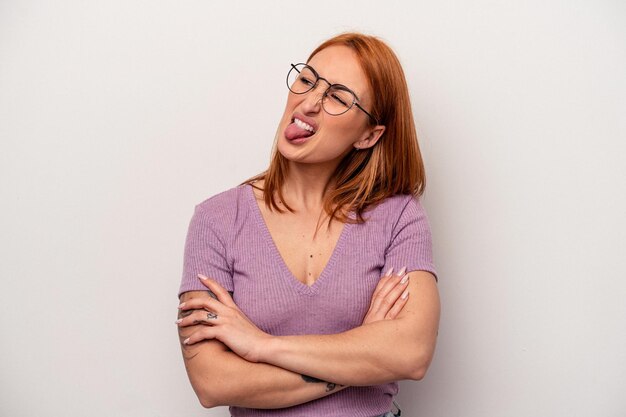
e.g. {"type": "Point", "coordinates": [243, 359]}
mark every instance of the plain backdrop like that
{"type": "Point", "coordinates": [117, 117]}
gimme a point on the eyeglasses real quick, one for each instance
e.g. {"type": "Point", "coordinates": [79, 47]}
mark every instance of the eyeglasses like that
{"type": "Point", "coordinates": [336, 100]}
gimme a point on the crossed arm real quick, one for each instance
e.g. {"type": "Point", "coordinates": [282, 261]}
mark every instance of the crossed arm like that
{"type": "Point", "coordinates": [220, 377]}
{"type": "Point", "coordinates": [371, 354]}
{"type": "Point", "coordinates": [374, 353]}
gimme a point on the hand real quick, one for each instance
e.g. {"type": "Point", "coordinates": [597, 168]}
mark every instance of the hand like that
{"type": "Point", "coordinates": [223, 321]}
{"type": "Point", "coordinates": [387, 301]}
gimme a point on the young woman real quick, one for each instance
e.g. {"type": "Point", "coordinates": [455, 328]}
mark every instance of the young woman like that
{"type": "Point", "coordinates": [302, 313]}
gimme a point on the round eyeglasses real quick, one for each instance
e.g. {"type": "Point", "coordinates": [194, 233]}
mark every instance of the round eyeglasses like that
{"type": "Point", "coordinates": [336, 100]}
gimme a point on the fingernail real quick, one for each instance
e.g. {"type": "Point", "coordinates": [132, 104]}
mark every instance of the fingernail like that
{"type": "Point", "coordinates": [405, 294]}
{"type": "Point", "coordinates": [402, 271]}
{"type": "Point", "coordinates": [181, 305]}
{"type": "Point", "coordinates": [202, 277]}
{"type": "Point", "coordinates": [178, 321]}
{"type": "Point", "coordinates": [388, 273]}
{"type": "Point", "coordinates": [405, 279]}
{"type": "Point", "coordinates": [186, 340]}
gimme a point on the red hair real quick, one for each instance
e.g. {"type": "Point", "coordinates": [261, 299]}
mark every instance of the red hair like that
{"type": "Point", "coordinates": [393, 165]}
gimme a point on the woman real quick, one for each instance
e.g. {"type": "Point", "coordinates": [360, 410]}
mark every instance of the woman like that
{"type": "Point", "coordinates": [297, 320]}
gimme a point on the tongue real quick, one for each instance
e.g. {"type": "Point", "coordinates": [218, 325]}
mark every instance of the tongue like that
{"type": "Point", "coordinates": [293, 131]}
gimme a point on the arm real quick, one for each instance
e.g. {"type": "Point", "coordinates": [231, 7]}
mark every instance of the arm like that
{"type": "Point", "coordinates": [221, 377]}
{"type": "Point", "coordinates": [375, 353]}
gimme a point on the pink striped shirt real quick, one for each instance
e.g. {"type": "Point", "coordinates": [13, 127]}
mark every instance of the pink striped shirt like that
{"type": "Point", "coordinates": [229, 241]}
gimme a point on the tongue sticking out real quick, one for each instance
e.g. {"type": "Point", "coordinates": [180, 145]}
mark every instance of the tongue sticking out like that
{"type": "Point", "coordinates": [293, 131]}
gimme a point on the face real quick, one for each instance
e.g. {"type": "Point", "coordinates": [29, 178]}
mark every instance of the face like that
{"type": "Point", "coordinates": [333, 136]}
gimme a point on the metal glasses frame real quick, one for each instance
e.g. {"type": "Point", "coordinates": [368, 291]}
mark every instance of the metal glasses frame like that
{"type": "Point", "coordinates": [340, 86]}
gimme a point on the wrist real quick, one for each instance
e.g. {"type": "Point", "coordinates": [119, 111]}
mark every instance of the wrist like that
{"type": "Point", "coordinates": [268, 348]}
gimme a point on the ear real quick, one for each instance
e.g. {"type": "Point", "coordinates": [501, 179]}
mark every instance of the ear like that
{"type": "Point", "coordinates": [370, 137]}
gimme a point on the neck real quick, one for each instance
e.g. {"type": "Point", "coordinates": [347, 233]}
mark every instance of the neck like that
{"type": "Point", "coordinates": [305, 185]}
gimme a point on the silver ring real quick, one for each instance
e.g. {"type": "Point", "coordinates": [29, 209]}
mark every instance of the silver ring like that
{"type": "Point", "coordinates": [211, 316]}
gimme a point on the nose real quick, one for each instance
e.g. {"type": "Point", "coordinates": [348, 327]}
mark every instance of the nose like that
{"type": "Point", "coordinates": [312, 102]}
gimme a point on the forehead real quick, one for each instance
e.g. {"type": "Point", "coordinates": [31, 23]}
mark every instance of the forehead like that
{"type": "Point", "coordinates": [339, 65]}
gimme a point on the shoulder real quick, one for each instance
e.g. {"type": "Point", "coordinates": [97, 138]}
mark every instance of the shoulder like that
{"type": "Point", "coordinates": [397, 205]}
{"type": "Point", "coordinates": [224, 207]}
{"type": "Point", "coordinates": [399, 212]}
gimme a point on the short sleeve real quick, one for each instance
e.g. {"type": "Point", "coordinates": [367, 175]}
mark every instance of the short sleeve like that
{"type": "Point", "coordinates": [411, 241]}
{"type": "Point", "coordinates": [205, 253]}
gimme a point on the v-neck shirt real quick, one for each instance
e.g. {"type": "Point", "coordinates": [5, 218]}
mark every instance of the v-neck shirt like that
{"type": "Point", "coordinates": [297, 285]}
{"type": "Point", "coordinates": [228, 240]}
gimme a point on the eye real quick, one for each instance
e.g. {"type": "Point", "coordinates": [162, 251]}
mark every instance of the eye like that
{"type": "Point", "coordinates": [341, 97]}
{"type": "Point", "coordinates": [338, 99]}
{"type": "Point", "coordinates": [306, 81]}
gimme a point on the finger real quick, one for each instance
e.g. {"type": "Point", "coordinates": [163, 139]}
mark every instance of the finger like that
{"type": "Point", "coordinates": [206, 333]}
{"type": "Point", "coordinates": [185, 313]}
{"type": "Point", "coordinates": [198, 317]}
{"type": "Point", "coordinates": [385, 305]}
{"type": "Point", "coordinates": [392, 281]}
{"type": "Point", "coordinates": [395, 293]}
{"type": "Point", "coordinates": [221, 293]}
{"type": "Point", "coordinates": [380, 297]}
{"type": "Point", "coordinates": [381, 282]}
{"type": "Point", "coordinates": [388, 273]}
{"type": "Point", "coordinates": [384, 279]}
{"type": "Point", "coordinates": [206, 303]}
{"type": "Point", "coordinates": [394, 298]}
{"type": "Point", "coordinates": [397, 307]}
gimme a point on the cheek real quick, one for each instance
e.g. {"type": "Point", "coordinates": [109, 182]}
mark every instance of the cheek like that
{"type": "Point", "coordinates": [290, 105]}
{"type": "Point", "coordinates": [292, 101]}
{"type": "Point", "coordinates": [343, 131]}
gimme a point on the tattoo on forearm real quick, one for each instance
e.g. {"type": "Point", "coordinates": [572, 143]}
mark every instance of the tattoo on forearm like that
{"type": "Point", "coordinates": [212, 294]}
{"type": "Point", "coordinates": [329, 385]}
{"type": "Point", "coordinates": [184, 313]}
{"type": "Point", "coordinates": [311, 379]}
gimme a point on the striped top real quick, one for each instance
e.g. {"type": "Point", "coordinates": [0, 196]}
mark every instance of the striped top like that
{"type": "Point", "coordinates": [229, 241]}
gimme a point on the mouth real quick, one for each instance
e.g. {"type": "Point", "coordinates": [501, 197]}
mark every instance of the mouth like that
{"type": "Point", "coordinates": [300, 128]}
{"type": "Point", "coordinates": [303, 125]}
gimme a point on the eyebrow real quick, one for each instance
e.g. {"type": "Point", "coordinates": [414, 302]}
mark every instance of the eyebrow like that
{"type": "Point", "coordinates": [338, 85]}
{"type": "Point", "coordinates": [343, 87]}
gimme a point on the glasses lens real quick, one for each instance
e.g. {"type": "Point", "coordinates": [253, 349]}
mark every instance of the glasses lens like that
{"type": "Point", "coordinates": [338, 100]}
{"type": "Point", "coordinates": [301, 79]}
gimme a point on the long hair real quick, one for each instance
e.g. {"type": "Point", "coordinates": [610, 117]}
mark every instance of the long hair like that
{"type": "Point", "coordinates": [366, 177]}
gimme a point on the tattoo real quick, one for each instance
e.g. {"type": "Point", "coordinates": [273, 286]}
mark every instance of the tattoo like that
{"type": "Point", "coordinates": [212, 294]}
{"type": "Point", "coordinates": [310, 379]}
{"type": "Point", "coordinates": [329, 385]}
{"type": "Point", "coordinates": [184, 313]}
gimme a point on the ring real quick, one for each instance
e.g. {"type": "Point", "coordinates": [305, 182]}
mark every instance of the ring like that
{"type": "Point", "coordinates": [211, 316]}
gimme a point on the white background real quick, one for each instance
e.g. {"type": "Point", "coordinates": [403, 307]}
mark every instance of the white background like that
{"type": "Point", "coordinates": [117, 117]}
